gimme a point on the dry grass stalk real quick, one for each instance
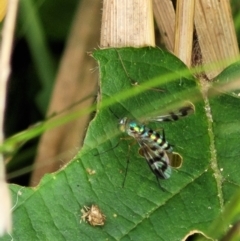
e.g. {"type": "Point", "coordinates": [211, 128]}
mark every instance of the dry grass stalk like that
{"type": "Point", "coordinates": [184, 30]}
{"type": "Point", "coordinates": [216, 35]}
{"type": "Point", "coordinates": [127, 23]}
{"type": "Point", "coordinates": [75, 81]}
{"type": "Point", "coordinates": [164, 14]}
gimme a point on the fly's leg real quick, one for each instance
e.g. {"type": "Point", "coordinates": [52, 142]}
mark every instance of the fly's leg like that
{"type": "Point", "coordinates": [112, 148]}
{"type": "Point", "coordinates": [126, 170]}
{"type": "Point", "coordinates": [128, 160]}
{"type": "Point", "coordinates": [162, 188]}
{"type": "Point", "coordinates": [160, 185]}
{"type": "Point", "coordinates": [98, 154]}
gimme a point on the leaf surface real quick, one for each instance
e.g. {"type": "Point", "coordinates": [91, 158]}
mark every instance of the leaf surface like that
{"type": "Point", "coordinates": [195, 194]}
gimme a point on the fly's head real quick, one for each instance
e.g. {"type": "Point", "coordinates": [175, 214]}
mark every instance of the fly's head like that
{"type": "Point", "coordinates": [134, 129]}
{"type": "Point", "coordinates": [122, 124]}
{"type": "Point", "coordinates": [128, 126]}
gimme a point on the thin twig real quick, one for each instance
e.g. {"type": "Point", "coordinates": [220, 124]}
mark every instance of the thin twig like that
{"type": "Point", "coordinates": [5, 54]}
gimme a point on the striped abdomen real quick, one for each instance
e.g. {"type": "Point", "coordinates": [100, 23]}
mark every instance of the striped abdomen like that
{"type": "Point", "coordinates": [142, 133]}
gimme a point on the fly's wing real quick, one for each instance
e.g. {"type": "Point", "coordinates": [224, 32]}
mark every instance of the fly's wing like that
{"type": "Point", "coordinates": [175, 115]}
{"type": "Point", "coordinates": [157, 160]}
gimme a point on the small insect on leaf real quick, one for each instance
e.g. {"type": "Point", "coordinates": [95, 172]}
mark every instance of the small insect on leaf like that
{"type": "Point", "coordinates": [93, 215]}
{"type": "Point", "coordinates": [153, 145]}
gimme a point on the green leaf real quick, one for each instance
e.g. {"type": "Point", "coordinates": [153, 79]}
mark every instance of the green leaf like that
{"type": "Point", "coordinates": [195, 194]}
